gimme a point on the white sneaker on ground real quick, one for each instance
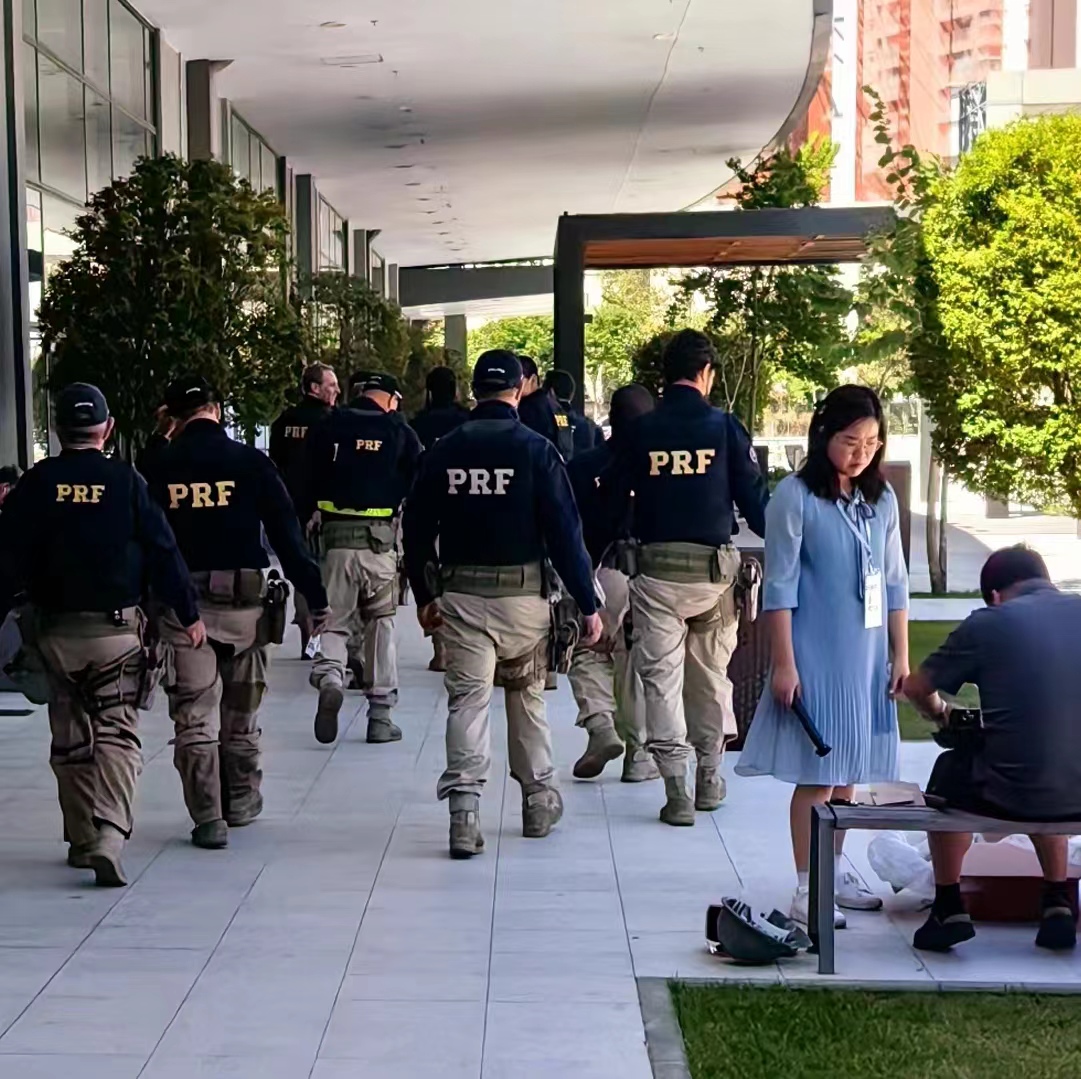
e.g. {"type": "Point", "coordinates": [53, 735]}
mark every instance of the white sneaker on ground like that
{"type": "Point", "coordinates": [852, 894]}
{"type": "Point", "coordinates": [801, 903]}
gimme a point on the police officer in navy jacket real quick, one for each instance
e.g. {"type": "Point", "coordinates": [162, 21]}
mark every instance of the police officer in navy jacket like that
{"type": "Point", "coordinates": [82, 538]}
{"type": "Point", "coordinates": [220, 495]}
{"type": "Point", "coordinates": [492, 503]}
{"type": "Point", "coordinates": [686, 464]}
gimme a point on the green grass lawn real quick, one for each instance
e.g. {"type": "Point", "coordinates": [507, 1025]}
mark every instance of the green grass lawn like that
{"type": "Point", "coordinates": [776, 1033]}
{"type": "Point", "coordinates": [923, 639]}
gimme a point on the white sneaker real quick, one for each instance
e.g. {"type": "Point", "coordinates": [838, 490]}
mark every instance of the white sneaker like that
{"type": "Point", "coordinates": [801, 903]}
{"type": "Point", "coordinates": [851, 894]}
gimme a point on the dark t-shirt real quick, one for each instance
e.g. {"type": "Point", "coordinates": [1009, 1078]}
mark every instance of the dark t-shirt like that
{"type": "Point", "coordinates": [1025, 658]}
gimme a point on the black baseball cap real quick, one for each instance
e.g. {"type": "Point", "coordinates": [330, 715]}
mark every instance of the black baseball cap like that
{"type": "Point", "coordinates": [188, 393]}
{"type": "Point", "coordinates": [380, 380]}
{"type": "Point", "coordinates": [81, 405]}
{"type": "Point", "coordinates": [497, 369]}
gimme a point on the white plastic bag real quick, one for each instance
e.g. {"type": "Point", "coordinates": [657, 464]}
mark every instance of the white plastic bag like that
{"type": "Point", "coordinates": [901, 865]}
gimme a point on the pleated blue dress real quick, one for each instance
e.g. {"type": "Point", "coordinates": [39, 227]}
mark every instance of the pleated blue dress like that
{"type": "Point", "coordinates": [814, 568]}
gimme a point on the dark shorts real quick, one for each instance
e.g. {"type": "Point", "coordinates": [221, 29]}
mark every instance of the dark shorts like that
{"type": "Point", "coordinates": [953, 785]}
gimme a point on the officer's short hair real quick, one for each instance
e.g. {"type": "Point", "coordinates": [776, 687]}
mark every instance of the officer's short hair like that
{"type": "Point", "coordinates": [1010, 566]}
{"type": "Point", "coordinates": [688, 354]}
{"type": "Point", "coordinates": [10, 474]}
{"type": "Point", "coordinates": [441, 384]}
{"type": "Point", "coordinates": [529, 366]}
{"type": "Point", "coordinates": [312, 376]}
{"type": "Point", "coordinates": [561, 383]}
{"type": "Point", "coordinates": [628, 403]}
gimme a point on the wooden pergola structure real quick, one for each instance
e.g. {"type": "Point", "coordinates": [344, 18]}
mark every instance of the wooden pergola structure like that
{"type": "Point", "coordinates": [714, 238]}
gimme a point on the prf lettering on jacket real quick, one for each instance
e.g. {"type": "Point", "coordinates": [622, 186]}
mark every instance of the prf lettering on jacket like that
{"type": "Point", "coordinates": [79, 492]}
{"type": "Point", "coordinates": [296, 432]}
{"type": "Point", "coordinates": [200, 496]}
{"type": "Point", "coordinates": [680, 462]}
{"type": "Point", "coordinates": [368, 445]}
{"type": "Point", "coordinates": [481, 481]}
{"type": "Point", "coordinates": [562, 420]}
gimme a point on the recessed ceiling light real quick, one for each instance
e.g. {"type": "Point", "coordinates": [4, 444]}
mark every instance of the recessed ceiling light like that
{"type": "Point", "coordinates": [405, 166]}
{"type": "Point", "coordinates": [331, 25]}
{"type": "Point", "coordinates": [404, 108]}
{"type": "Point", "coordinates": [664, 37]}
{"type": "Point", "coordinates": [414, 183]}
{"type": "Point", "coordinates": [352, 61]}
{"type": "Point", "coordinates": [396, 146]}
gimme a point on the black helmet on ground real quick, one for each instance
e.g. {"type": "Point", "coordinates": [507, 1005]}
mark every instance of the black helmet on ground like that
{"type": "Point", "coordinates": [734, 930]}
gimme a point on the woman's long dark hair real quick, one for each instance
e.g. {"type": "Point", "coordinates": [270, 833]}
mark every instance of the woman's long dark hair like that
{"type": "Point", "coordinates": [836, 412]}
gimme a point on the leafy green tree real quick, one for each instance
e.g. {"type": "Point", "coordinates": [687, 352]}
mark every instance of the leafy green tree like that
{"type": "Point", "coordinates": [351, 327]}
{"type": "Point", "coordinates": [1003, 238]}
{"type": "Point", "coordinates": [531, 335]}
{"type": "Point", "coordinates": [179, 267]}
{"type": "Point", "coordinates": [632, 310]}
{"type": "Point", "coordinates": [769, 319]}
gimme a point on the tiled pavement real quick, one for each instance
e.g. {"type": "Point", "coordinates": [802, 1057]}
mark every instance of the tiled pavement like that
{"type": "Point", "coordinates": [336, 940]}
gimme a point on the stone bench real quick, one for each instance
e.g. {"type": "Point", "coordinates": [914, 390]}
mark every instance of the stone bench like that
{"type": "Point", "coordinates": [827, 820]}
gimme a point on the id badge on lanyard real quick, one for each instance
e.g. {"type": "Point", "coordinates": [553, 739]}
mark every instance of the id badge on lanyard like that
{"type": "Point", "coordinates": [873, 613]}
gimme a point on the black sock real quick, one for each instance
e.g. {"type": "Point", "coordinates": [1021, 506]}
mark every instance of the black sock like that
{"type": "Point", "coordinates": [948, 900]}
{"type": "Point", "coordinates": [1057, 893]}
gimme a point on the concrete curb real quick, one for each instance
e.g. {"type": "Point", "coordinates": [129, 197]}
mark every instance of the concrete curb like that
{"type": "Point", "coordinates": [664, 1039]}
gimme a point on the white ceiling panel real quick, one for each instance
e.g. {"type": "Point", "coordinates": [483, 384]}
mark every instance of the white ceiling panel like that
{"type": "Point", "coordinates": [498, 115]}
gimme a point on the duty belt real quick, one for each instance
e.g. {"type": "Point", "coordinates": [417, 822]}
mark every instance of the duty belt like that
{"type": "Point", "coordinates": [230, 587]}
{"type": "Point", "coordinates": [90, 623]}
{"type": "Point", "coordinates": [375, 536]}
{"type": "Point", "coordinates": [688, 563]}
{"type": "Point", "coordinates": [494, 582]}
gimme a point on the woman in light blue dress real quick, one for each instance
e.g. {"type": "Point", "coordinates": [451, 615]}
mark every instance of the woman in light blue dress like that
{"type": "Point", "coordinates": [836, 597]}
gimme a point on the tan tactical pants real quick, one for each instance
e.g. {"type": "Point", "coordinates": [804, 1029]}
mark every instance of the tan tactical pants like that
{"type": "Point", "coordinates": [214, 702]}
{"type": "Point", "coordinates": [602, 678]}
{"type": "Point", "coordinates": [684, 637]}
{"type": "Point", "coordinates": [95, 753]}
{"type": "Point", "coordinates": [479, 633]}
{"type": "Point", "coordinates": [360, 583]}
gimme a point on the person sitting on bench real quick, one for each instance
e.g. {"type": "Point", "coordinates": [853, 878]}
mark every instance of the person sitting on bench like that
{"type": "Point", "coordinates": [1023, 652]}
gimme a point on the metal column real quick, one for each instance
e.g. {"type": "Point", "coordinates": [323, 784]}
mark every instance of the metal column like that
{"type": "Point", "coordinates": [16, 415]}
{"type": "Point", "coordinates": [570, 307]}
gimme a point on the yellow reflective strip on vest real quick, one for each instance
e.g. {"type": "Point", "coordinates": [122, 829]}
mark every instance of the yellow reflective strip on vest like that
{"type": "Point", "coordinates": [329, 507]}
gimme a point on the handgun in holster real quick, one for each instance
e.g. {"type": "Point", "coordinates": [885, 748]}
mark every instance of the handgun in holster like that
{"type": "Point", "coordinates": [626, 557]}
{"type": "Point", "coordinates": [275, 604]}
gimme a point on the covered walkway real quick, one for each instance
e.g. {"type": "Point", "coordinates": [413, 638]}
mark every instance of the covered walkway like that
{"type": "Point", "coordinates": [335, 939]}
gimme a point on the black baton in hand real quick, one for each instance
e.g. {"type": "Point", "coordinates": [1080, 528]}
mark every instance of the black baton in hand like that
{"type": "Point", "coordinates": [809, 726]}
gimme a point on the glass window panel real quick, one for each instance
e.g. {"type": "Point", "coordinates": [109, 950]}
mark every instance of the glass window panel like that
{"type": "Point", "coordinates": [99, 143]}
{"type": "Point", "coordinates": [29, 19]}
{"type": "Point", "coordinates": [128, 64]}
{"type": "Point", "coordinates": [60, 28]}
{"type": "Point", "coordinates": [129, 143]}
{"type": "Point", "coordinates": [96, 41]}
{"type": "Point", "coordinates": [270, 168]}
{"type": "Point", "coordinates": [63, 147]}
{"type": "Point", "coordinates": [37, 367]}
{"type": "Point", "coordinates": [58, 219]}
{"type": "Point", "coordinates": [30, 112]}
{"type": "Point", "coordinates": [240, 150]}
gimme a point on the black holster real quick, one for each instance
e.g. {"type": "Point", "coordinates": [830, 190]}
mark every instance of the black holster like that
{"type": "Point", "coordinates": [271, 628]}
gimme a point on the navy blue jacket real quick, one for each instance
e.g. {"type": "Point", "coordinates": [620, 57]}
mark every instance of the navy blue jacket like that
{"type": "Point", "coordinates": [686, 463]}
{"type": "Point", "coordinates": [603, 519]}
{"type": "Point", "coordinates": [219, 495]}
{"type": "Point", "coordinates": [541, 412]}
{"type": "Point", "coordinates": [288, 434]}
{"type": "Point", "coordinates": [79, 532]}
{"type": "Point", "coordinates": [587, 435]}
{"type": "Point", "coordinates": [361, 462]}
{"type": "Point", "coordinates": [494, 493]}
{"type": "Point", "coordinates": [433, 423]}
